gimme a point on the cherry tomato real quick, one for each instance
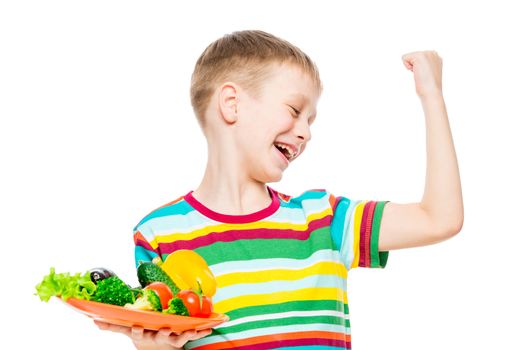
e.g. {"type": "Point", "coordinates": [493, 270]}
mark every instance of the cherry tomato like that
{"type": "Point", "coordinates": [207, 307]}
{"type": "Point", "coordinates": [163, 291]}
{"type": "Point", "coordinates": [191, 301]}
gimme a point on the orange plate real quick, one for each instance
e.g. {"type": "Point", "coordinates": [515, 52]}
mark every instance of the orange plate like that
{"type": "Point", "coordinates": [122, 316]}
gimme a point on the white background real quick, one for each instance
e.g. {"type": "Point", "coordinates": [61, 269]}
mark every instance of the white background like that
{"type": "Point", "coordinates": [97, 130]}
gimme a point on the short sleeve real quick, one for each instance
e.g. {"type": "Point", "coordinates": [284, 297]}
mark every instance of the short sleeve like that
{"type": "Point", "coordinates": [145, 243]}
{"type": "Point", "coordinates": [355, 230]}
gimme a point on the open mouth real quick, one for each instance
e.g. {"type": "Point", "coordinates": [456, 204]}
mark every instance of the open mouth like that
{"type": "Point", "coordinates": [284, 150]}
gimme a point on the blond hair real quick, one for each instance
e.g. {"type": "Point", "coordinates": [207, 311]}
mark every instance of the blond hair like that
{"type": "Point", "coordinates": [245, 57]}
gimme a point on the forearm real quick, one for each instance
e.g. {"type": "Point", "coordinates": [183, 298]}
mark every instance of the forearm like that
{"type": "Point", "coordinates": [442, 197]}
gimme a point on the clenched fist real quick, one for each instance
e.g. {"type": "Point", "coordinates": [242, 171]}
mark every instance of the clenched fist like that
{"type": "Point", "coordinates": [427, 70]}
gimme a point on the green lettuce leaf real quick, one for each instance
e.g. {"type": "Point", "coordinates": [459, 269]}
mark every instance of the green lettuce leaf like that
{"type": "Point", "coordinates": [66, 286]}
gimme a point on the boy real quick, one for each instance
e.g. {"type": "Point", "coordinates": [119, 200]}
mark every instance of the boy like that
{"type": "Point", "coordinates": [281, 262]}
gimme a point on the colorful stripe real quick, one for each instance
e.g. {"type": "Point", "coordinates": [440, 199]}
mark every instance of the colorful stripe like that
{"type": "Point", "coordinates": [378, 259]}
{"type": "Point", "coordinates": [274, 341]}
{"type": "Point", "coordinates": [281, 272]}
{"type": "Point", "coordinates": [365, 234]}
{"type": "Point", "coordinates": [222, 234]}
{"type": "Point", "coordinates": [356, 233]}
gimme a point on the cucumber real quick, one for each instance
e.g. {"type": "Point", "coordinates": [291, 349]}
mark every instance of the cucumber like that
{"type": "Point", "coordinates": [149, 272]}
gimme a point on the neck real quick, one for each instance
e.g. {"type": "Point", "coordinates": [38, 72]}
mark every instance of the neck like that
{"type": "Point", "coordinates": [228, 189]}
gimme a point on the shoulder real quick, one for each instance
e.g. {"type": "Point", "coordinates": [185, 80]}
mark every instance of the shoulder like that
{"type": "Point", "coordinates": [318, 198]}
{"type": "Point", "coordinates": [325, 199]}
{"type": "Point", "coordinates": [174, 207]}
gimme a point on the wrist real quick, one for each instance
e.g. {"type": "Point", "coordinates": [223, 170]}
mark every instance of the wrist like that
{"type": "Point", "coordinates": [432, 95]}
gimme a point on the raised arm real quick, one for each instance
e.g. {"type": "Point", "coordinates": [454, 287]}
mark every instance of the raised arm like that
{"type": "Point", "coordinates": [440, 213]}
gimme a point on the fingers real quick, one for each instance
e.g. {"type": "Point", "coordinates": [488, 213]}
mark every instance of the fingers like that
{"type": "Point", "coordinates": [112, 327]}
{"type": "Point", "coordinates": [137, 333]}
{"type": "Point", "coordinates": [140, 336]}
{"type": "Point", "coordinates": [202, 334]}
{"type": "Point", "coordinates": [179, 341]}
{"type": "Point", "coordinates": [163, 336]}
{"type": "Point", "coordinates": [160, 337]}
{"type": "Point", "coordinates": [102, 325]}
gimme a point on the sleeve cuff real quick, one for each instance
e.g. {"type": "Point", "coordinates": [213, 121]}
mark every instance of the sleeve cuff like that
{"type": "Point", "coordinates": [378, 259]}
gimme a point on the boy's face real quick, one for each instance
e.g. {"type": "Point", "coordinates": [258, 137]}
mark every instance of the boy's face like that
{"type": "Point", "coordinates": [283, 113]}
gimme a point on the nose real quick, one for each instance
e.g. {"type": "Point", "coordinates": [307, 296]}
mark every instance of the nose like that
{"type": "Point", "coordinates": [302, 130]}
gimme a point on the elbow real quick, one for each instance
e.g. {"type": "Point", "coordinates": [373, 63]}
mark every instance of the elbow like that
{"type": "Point", "coordinates": [444, 227]}
{"type": "Point", "coordinates": [448, 223]}
{"type": "Point", "coordinates": [451, 228]}
{"type": "Point", "coordinates": [458, 226]}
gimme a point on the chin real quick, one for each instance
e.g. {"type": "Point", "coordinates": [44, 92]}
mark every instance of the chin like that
{"type": "Point", "coordinates": [269, 177]}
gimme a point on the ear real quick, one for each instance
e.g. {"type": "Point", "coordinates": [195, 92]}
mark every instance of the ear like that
{"type": "Point", "coordinates": [227, 101]}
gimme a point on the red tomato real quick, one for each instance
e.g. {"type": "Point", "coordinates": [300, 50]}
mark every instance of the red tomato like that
{"type": "Point", "coordinates": [191, 302]}
{"type": "Point", "coordinates": [163, 291]}
{"type": "Point", "coordinates": [207, 307]}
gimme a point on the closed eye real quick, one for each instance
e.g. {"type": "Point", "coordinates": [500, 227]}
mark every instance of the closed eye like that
{"type": "Point", "coordinates": [295, 110]}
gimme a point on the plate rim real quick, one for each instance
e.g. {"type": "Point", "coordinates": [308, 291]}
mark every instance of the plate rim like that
{"type": "Point", "coordinates": [80, 305]}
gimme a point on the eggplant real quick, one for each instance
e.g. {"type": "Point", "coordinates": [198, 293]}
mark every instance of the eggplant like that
{"type": "Point", "coordinates": [100, 273]}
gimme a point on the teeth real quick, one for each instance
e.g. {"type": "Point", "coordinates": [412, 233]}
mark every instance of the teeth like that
{"type": "Point", "coordinates": [293, 154]}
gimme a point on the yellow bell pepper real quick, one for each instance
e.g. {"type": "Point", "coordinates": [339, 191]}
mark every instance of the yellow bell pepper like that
{"type": "Point", "coordinates": [190, 271]}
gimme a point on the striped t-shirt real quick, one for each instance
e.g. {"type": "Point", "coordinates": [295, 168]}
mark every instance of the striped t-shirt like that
{"type": "Point", "coordinates": [281, 272]}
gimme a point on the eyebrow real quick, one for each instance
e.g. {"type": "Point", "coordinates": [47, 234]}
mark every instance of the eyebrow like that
{"type": "Point", "coordinates": [301, 95]}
